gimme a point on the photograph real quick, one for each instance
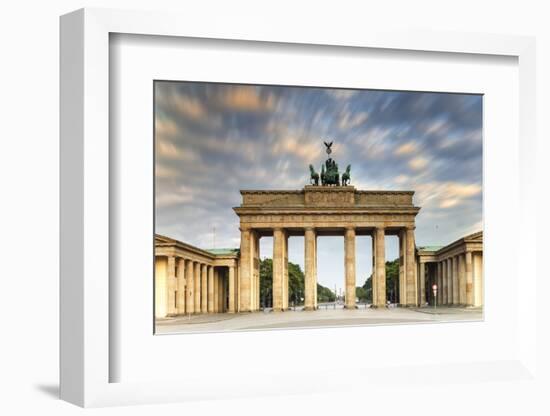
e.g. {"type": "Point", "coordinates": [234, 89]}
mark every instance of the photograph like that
{"type": "Point", "coordinates": [294, 207]}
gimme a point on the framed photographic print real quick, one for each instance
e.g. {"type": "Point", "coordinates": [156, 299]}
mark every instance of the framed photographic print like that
{"type": "Point", "coordinates": [226, 196]}
{"type": "Point", "coordinates": [222, 252]}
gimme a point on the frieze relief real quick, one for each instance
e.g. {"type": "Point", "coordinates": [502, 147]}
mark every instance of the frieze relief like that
{"type": "Point", "coordinates": [275, 199]}
{"type": "Point", "coordinates": [330, 198]}
{"type": "Point", "coordinates": [332, 218]}
{"type": "Point", "coordinates": [383, 199]}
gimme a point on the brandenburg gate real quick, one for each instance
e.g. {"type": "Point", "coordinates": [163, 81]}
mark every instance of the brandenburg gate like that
{"type": "Point", "coordinates": [316, 211]}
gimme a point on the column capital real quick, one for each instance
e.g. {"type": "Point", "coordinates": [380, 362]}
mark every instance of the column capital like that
{"type": "Point", "coordinates": [309, 228]}
{"type": "Point", "coordinates": [410, 227]}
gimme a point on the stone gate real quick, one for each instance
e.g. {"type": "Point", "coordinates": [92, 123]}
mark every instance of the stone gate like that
{"type": "Point", "coordinates": [314, 212]}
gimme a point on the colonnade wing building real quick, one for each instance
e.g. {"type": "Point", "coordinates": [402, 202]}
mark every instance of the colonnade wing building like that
{"type": "Point", "coordinates": [191, 280]}
{"type": "Point", "coordinates": [456, 269]}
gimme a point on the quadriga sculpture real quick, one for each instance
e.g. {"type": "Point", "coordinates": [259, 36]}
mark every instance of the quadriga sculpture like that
{"type": "Point", "coordinates": [329, 172]}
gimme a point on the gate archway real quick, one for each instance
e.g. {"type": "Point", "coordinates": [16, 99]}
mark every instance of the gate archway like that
{"type": "Point", "coordinates": [314, 212]}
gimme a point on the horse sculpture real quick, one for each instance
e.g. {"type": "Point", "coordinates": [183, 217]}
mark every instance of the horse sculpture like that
{"type": "Point", "coordinates": [346, 177]}
{"type": "Point", "coordinates": [314, 176]}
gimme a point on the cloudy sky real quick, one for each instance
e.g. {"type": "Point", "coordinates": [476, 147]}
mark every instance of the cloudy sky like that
{"type": "Point", "coordinates": [213, 139]}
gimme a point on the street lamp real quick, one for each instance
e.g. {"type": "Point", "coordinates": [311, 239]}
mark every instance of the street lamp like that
{"type": "Point", "coordinates": [434, 288]}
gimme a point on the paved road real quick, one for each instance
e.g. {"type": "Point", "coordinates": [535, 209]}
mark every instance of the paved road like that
{"type": "Point", "coordinates": [321, 318]}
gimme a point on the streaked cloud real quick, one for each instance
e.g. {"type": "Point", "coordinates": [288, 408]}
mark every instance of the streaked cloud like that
{"type": "Point", "coordinates": [418, 163]}
{"type": "Point", "coordinates": [246, 98]}
{"type": "Point", "coordinates": [340, 94]}
{"type": "Point", "coordinates": [349, 120]}
{"type": "Point", "coordinates": [406, 149]}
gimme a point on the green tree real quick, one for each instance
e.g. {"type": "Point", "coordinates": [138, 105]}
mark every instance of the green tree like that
{"type": "Point", "coordinates": [392, 281]}
{"type": "Point", "coordinates": [266, 283]}
{"type": "Point", "coordinates": [324, 294]}
{"type": "Point", "coordinates": [296, 281]}
{"type": "Point", "coordinates": [364, 293]}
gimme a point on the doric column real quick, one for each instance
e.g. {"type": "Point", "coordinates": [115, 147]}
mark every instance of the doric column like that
{"type": "Point", "coordinates": [190, 287]}
{"type": "Point", "coordinates": [310, 277]}
{"type": "Point", "coordinates": [477, 265]}
{"type": "Point", "coordinates": [456, 289]}
{"type": "Point", "coordinates": [171, 299]}
{"type": "Point", "coordinates": [410, 264]}
{"type": "Point", "coordinates": [204, 288]}
{"type": "Point", "coordinates": [449, 281]}
{"type": "Point", "coordinates": [210, 289]}
{"type": "Point", "coordinates": [221, 300]}
{"type": "Point", "coordinates": [232, 297]}
{"type": "Point", "coordinates": [216, 290]}
{"type": "Point", "coordinates": [469, 279]}
{"type": "Point", "coordinates": [439, 283]}
{"type": "Point", "coordinates": [444, 282]}
{"type": "Point", "coordinates": [422, 283]}
{"type": "Point", "coordinates": [237, 291]}
{"type": "Point", "coordinates": [256, 263]}
{"type": "Point", "coordinates": [285, 270]}
{"type": "Point", "coordinates": [181, 286]}
{"type": "Point", "coordinates": [443, 289]}
{"type": "Point", "coordinates": [461, 280]}
{"type": "Point", "coordinates": [316, 303]}
{"type": "Point", "coordinates": [161, 287]}
{"type": "Point", "coordinates": [349, 267]}
{"type": "Point", "coordinates": [379, 272]}
{"type": "Point", "coordinates": [278, 269]}
{"type": "Point", "coordinates": [402, 280]}
{"type": "Point", "coordinates": [246, 272]}
{"type": "Point", "coordinates": [198, 288]}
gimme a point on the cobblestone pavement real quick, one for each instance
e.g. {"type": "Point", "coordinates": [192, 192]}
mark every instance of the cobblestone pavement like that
{"type": "Point", "coordinates": [313, 319]}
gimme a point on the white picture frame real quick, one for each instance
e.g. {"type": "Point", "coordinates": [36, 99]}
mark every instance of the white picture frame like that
{"type": "Point", "coordinates": [86, 356]}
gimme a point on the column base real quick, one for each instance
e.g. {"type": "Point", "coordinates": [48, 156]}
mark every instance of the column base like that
{"type": "Point", "coordinates": [350, 306]}
{"type": "Point", "coordinates": [379, 306]}
{"type": "Point", "coordinates": [310, 308]}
